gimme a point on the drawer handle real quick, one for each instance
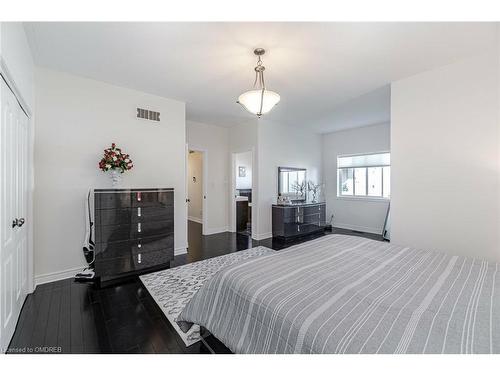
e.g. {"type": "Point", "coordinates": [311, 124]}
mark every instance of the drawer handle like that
{"type": "Point", "coordinates": [139, 258]}
{"type": "Point", "coordinates": [139, 227]}
{"type": "Point", "coordinates": [139, 245]}
{"type": "Point", "coordinates": [138, 211]}
{"type": "Point", "coordinates": [139, 197]}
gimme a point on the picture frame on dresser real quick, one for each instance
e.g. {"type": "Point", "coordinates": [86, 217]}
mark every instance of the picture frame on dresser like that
{"type": "Point", "coordinates": [134, 232]}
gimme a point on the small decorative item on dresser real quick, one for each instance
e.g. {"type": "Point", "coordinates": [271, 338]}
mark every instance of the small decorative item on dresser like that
{"type": "Point", "coordinates": [115, 161]}
{"type": "Point", "coordinates": [300, 189]}
{"type": "Point", "coordinates": [314, 189]}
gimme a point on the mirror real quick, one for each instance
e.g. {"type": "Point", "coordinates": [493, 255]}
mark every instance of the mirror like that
{"type": "Point", "coordinates": [291, 183]}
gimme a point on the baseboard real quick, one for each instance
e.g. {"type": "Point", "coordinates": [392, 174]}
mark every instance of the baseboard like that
{"type": "Point", "coordinates": [195, 219]}
{"type": "Point", "coordinates": [209, 231]}
{"type": "Point", "coordinates": [359, 228]}
{"type": "Point", "coordinates": [262, 236]}
{"type": "Point", "coordinates": [56, 276]}
{"type": "Point", "coordinates": [180, 250]}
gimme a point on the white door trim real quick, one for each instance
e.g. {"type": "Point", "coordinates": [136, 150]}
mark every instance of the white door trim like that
{"type": "Point", "coordinates": [232, 201]}
{"type": "Point", "coordinates": [14, 246]}
{"type": "Point", "coordinates": [7, 76]}
{"type": "Point", "coordinates": [205, 197]}
{"type": "Point", "coordinates": [5, 72]}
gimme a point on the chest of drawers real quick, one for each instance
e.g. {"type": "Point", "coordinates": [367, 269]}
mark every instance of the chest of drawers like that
{"type": "Point", "coordinates": [134, 232]}
{"type": "Point", "coordinates": [298, 219]}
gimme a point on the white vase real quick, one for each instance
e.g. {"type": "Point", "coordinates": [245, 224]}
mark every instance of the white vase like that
{"type": "Point", "coordinates": [116, 177]}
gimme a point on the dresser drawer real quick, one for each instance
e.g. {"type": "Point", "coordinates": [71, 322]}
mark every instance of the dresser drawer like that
{"type": "Point", "coordinates": [151, 259]}
{"type": "Point", "coordinates": [152, 198]}
{"type": "Point", "coordinates": [110, 250]}
{"type": "Point", "coordinates": [314, 209]}
{"type": "Point", "coordinates": [312, 218]}
{"type": "Point", "coordinates": [151, 213]}
{"type": "Point", "coordinates": [292, 229]}
{"type": "Point", "coordinates": [300, 229]}
{"type": "Point", "coordinates": [151, 229]}
{"type": "Point", "coordinates": [120, 216]}
{"type": "Point", "coordinates": [147, 245]}
{"type": "Point", "coordinates": [114, 266]}
{"type": "Point", "coordinates": [135, 230]}
{"type": "Point", "coordinates": [113, 269]}
{"type": "Point", "coordinates": [289, 213]}
{"type": "Point", "coordinates": [125, 216]}
{"type": "Point", "coordinates": [318, 219]}
{"type": "Point", "coordinates": [113, 233]}
{"type": "Point", "coordinates": [112, 200]}
{"type": "Point", "coordinates": [126, 248]}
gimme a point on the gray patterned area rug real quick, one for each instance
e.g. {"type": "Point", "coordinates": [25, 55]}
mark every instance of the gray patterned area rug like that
{"type": "Point", "coordinates": [173, 288]}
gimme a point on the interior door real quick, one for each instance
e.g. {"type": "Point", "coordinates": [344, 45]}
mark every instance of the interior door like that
{"type": "Point", "coordinates": [13, 210]}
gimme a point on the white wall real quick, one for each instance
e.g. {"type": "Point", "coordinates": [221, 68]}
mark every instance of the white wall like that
{"type": "Point", "coordinates": [367, 215]}
{"type": "Point", "coordinates": [244, 159]}
{"type": "Point", "coordinates": [214, 141]}
{"type": "Point", "coordinates": [445, 159]}
{"type": "Point", "coordinates": [243, 138]}
{"type": "Point", "coordinates": [195, 186]}
{"type": "Point", "coordinates": [76, 119]}
{"type": "Point", "coordinates": [286, 146]}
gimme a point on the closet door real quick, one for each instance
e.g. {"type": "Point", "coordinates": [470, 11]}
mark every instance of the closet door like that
{"type": "Point", "coordinates": [13, 210]}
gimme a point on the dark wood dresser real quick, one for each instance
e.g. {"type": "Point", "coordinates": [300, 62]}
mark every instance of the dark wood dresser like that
{"type": "Point", "coordinates": [298, 219]}
{"type": "Point", "coordinates": [134, 232]}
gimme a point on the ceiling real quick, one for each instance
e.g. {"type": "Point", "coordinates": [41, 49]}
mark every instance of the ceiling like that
{"type": "Point", "coordinates": [330, 76]}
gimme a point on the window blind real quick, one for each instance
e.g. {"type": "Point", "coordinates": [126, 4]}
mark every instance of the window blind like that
{"type": "Point", "coordinates": [369, 160]}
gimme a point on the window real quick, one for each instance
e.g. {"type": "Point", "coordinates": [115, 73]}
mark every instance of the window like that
{"type": "Point", "coordinates": [346, 181]}
{"type": "Point", "coordinates": [360, 181]}
{"type": "Point", "coordinates": [364, 175]}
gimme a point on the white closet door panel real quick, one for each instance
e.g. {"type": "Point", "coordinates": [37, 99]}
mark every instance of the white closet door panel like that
{"type": "Point", "coordinates": [13, 208]}
{"type": "Point", "coordinates": [24, 201]}
{"type": "Point", "coordinates": [8, 245]}
{"type": "Point", "coordinates": [8, 184]}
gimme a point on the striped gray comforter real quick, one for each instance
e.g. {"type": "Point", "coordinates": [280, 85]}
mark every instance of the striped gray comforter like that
{"type": "Point", "coordinates": [343, 294]}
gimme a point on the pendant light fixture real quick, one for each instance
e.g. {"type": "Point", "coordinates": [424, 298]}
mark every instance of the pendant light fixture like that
{"type": "Point", "coordinates": [259, 100]}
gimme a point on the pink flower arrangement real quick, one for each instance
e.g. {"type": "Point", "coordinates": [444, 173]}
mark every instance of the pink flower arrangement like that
{"type": "Point", "coordinates": [114, 158]}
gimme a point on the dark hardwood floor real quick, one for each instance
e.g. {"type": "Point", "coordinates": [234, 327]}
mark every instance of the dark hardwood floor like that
{"type": "Point", "coordinates": [69, 317]}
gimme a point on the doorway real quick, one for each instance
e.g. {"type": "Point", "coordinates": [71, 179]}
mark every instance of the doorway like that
{"type": "Point", "coordinates": [241, 198]}
{"type": "Point", "coordinates": [196, 199]}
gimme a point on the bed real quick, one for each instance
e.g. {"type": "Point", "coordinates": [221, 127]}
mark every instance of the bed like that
{"type": "Point", "coordinates": [345, 294]}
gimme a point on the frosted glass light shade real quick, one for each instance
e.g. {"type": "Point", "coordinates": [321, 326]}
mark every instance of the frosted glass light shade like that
{"type": "Point", "coordinates": [251, 101]}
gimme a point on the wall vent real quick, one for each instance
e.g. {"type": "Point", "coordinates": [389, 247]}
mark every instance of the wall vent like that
{"type": "Point", "coordinates": [146, 114]}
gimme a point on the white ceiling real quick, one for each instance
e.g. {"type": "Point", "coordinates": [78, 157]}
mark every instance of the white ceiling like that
{"type": "Point", "coordinates": [329, 75]}
{"type": "Point", "coordinates": [368, 109]}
